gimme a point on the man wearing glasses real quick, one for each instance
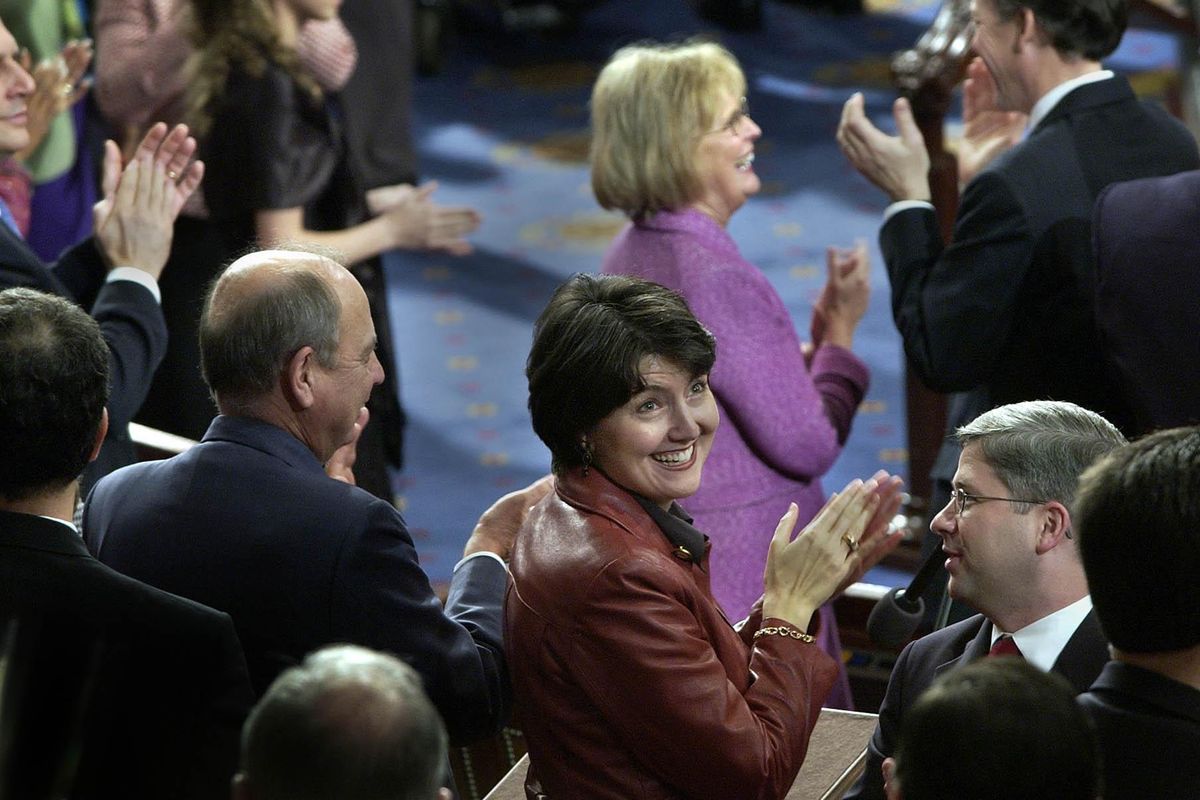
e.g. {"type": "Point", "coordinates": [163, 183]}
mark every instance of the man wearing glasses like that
{"type": "Point", "coordinates": [1010, 554]}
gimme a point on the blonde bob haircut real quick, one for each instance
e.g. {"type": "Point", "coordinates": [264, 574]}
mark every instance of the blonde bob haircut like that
{"type": "Point", "coordinates": [651, 106]}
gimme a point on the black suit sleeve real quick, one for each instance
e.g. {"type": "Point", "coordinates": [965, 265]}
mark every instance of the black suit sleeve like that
{"type": "Point", "coordinates": [131, 321]}
{"type": "Point", "coordinates": [132, 324]}
{"type": "Point", "coordinates": [954, 306]}
{"type": "Point", "coordinates": [383, 599]}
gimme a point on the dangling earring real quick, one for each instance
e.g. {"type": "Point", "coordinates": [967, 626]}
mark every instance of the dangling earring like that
{"type": "Point", "coordinates": [586, 447]}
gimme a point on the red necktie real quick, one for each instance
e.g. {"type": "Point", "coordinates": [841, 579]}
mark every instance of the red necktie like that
{"type": "Point", "coordinates": [1005, 646]}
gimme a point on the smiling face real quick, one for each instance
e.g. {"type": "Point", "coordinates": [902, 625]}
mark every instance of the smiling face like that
{"type": "Point", "coordinates": [725, 161]}
{"type": "Point", "coordinates": [991, 549]}
{"type": "Point", "coordinates": [997, 42]}
{"type": "Point", "coordinates": [343, 388]}
{"type": "Point", "coordinates": [656, 443]}
{"type": "Point", "coordinates": [15, 86]}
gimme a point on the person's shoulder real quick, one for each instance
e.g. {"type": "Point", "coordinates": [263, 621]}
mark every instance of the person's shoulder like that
{"type": "Point", "coordinates": [603, 542]}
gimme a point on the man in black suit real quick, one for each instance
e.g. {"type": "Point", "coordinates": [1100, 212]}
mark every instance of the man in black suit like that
{"type": "Point", "coordinates": [1005, 311]}
{"type": "Point", "coordinates": [1012, 556]}
{"type": "Point", "coordinates": [248, 521]}
{"type": "Point", "coordinates": [1138, 516]}
{"type": "Point", "coordinates": [146, 689]}
{"type": "Point", "coordinates": [1146, 234]}
{"type": "Point", "coordinates": [114, 273]}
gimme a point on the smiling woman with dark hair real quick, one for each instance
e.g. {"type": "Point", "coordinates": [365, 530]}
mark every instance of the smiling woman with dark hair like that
{"type": "Point", "coordinates": [630, 679]}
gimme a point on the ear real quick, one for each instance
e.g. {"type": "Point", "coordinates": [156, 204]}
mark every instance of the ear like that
{"type": "Point", "coordinates": [101, 432]}
{"type": "Point", "coordinates": [1029, 33]}
{"type": "Point", "coordinates": [1056, 527]}
{"type": "Point", "coordinates": [299, 378]}
{"type": "Point", "coordinates": [444, 794]}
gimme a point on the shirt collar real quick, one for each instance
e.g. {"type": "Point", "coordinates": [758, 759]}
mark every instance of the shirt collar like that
{"type": "Point", "coordinates": [70, 525]}
{"type": "Point", "coordinates": [1043, 641]}
{"type": "Point", "coordinates": [676, 525]}
{"type": "Point", "coordinates": [1051, 98]}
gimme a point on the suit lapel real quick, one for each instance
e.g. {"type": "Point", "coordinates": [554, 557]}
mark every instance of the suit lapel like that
{"type": "Point", "coordinates": [1084, 655]}
{"type": "Point", "coordinates": [976, 648]}
{"type": "Point", "coordinates": [28, 270]}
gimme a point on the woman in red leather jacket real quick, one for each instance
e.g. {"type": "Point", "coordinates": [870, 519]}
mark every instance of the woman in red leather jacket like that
{"type": "Point", "coordinates": [628, 678]}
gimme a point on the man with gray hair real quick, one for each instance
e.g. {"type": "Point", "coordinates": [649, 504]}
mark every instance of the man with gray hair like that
{"type": "Point", "coordinates": [347, 723]}
{"type": "Point", "coordinates": [1011, 555]}
{"type": "Point", "coordinates": [249, 522]}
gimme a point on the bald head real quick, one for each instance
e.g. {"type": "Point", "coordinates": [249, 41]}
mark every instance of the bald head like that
{"type": "Point", "coordinates": [265, 307]}
{"type": "Point", "coordinates": [348, 722]}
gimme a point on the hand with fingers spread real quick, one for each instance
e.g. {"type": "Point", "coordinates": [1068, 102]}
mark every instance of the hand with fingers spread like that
{"type": "Point", "coordinates": [987, 131]}
{"type": "Point", "coordinates": [416, 222]}
{"type": "Point", "coordinates": [899, 165]}
{"type": "Point", "coordinates": [804, 572]}
{"type": "Point", "coordinates": [58, 84]}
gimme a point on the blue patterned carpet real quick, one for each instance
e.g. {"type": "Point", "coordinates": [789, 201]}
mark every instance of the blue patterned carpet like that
{"type": "Point", "coordinates": [504, 129]}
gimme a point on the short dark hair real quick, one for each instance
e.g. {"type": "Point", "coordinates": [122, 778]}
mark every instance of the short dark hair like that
{"type": "Point", "coordinates": [1039, 448]}
{"type": "Point", "coordinates": [997, 729]}
{"type": "Point", "coordinates": [246, 341]}
{"type": "Point", "coordinates": [1088, 28]}
{"type": "Point", "coordinates": [588, 345]}
{"type": "Point", "coordinates": [53, 389]}
{"type": "Point", "coordinates": [1138, 517]}
{"type": "Point", "coordinates": [348, 722]}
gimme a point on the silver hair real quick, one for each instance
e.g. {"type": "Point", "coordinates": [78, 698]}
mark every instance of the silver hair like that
{"type": "Point", "coordinates": [348, 722]}
{"type": "Point", "coordinates": [1038, 449]}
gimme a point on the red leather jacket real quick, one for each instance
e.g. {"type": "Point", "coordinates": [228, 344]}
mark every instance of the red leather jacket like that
{"type": "Point", "coordinates": [629, 681]}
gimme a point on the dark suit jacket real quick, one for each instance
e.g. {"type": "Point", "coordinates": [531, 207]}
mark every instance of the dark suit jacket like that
{"type": "Point", "coordinates": [1147, 235]}
{"type": "Point", "coordinates": [130, 320]}
{"type": "Point", "coordinates": [1149, 729]}
{"type": "Point", "coordinates": [928, 657]}
{"type": "Point", "coordinates": [248, 522]}
{"type": "Point", "coordinates": [1005, 311]}
{"type": "Point", "coordinates": [170, 684]}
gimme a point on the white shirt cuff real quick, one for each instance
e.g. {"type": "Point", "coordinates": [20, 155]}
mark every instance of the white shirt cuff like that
{"type": "Point", "coordinates": [481, 553]}
{"type": "Point", "coordinates": [904, 205]}
{"type": "Point", "coordinates": [137, 276]}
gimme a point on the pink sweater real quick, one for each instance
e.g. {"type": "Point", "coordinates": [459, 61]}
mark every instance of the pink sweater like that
{"type": "Point", "coordinates": [782, 424]}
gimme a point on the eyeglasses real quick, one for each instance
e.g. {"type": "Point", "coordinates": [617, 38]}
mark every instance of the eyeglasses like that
{"type": "Point", "coordinates": [960, 499]}
{"type": "Point", "coordinates": [735, 119]}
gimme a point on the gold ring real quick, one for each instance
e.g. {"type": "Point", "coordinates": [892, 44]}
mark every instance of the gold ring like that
{"type": "Point", "coordinates": [172, 174]}
{"type": "Point", "coordinates": [851, 543]}
{"type": "Point", "coordinates": [66, 89]}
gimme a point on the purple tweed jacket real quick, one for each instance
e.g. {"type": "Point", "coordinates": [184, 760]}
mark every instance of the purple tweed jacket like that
{"type": "Point", "coordinates": [782, 423]}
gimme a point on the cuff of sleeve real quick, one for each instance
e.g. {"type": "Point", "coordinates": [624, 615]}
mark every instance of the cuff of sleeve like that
{"type": "Point", "coordinates": [833, 358]}
{"type": "Point", "coordinates": [137, 276]}
{"type": "Point", "coordinates": [481, 554]}
{"type": "Point", "coordinates": [905, 205]}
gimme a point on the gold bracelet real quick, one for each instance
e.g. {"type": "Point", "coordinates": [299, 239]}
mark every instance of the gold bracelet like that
{"type": "Point", "coordinates": [783, 630]}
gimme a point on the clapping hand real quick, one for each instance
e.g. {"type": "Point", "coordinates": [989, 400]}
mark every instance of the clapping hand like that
{"type": "Point", "coordinates": [418, 223]}
{"type": "Point", "coordinates": [987, 131]}
{"type": "Point", "coordinates": [133, 222]}
{"type": "Point", "coordinates": [58, 84]}
{"type": "Point", "coordinates": [899, 165]}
